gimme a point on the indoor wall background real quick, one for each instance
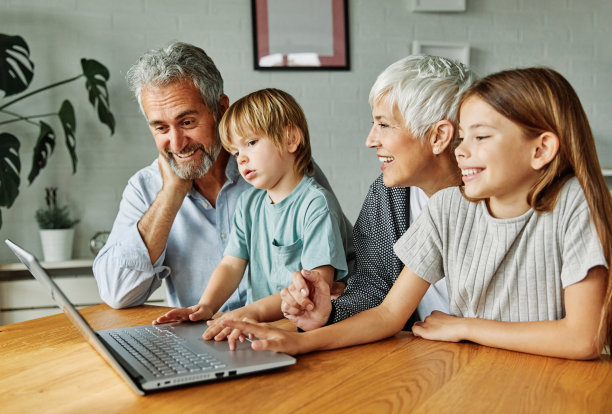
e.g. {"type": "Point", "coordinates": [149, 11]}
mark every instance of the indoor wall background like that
{"type": "Point", "coordinates": [572, 36]}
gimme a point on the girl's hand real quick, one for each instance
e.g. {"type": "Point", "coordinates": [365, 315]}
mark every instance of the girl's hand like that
{"type": "Point", "coordinates": [440, 326]}
{"type": "Point", "coordinates": [193, 313]}
{"type": "Point", "coordinates": [269, 337]}
{"type": "Point", "coordinates": [217, 331]}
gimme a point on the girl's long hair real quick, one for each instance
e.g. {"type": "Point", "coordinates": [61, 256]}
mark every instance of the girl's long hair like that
{"type": "Point", "coordinates": [541, 100]}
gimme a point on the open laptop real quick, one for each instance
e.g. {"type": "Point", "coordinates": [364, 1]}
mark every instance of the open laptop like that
{"type": "Point", "coordinates": [155, 357]}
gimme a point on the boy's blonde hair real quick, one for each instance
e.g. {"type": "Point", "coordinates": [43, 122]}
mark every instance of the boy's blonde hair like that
{"type": "Point", "coordinates": [272, 113]}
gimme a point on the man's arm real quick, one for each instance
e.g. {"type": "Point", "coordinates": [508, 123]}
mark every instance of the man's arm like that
{"type": "Point", "coordinates": [125, 273]}
{"type": "Point", "coordinates": [154, 226]}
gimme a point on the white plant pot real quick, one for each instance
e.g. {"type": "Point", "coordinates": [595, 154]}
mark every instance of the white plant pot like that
{"type": "Point", "coordinates": [57, 244]}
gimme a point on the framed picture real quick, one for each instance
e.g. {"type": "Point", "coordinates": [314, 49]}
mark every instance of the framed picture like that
{"type": "Point", "coordinates": [438, 5]}
{"type": "Point", "coordinates": [455, 51]}
{"type": "Point", "coordinates": [300, 34]}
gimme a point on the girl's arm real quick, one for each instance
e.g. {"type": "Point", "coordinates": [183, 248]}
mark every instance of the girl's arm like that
{"type": "Point", "coordinates": [371, 325]}
{"type": "Point", "coordinates": [267, 309]}
{"type": "Point", "coordinates": [576, 336]}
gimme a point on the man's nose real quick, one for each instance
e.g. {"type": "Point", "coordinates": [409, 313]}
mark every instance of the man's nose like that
{"type": "Point", "coordinates": [177, 140]}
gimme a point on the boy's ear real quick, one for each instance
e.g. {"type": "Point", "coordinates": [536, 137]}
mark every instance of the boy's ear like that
{"type": "Point", "coordinates": [294, 138]}
{"type": "Point", "coordinates": [441, 136]}
{"type": "Point", "coordinates": [546, 148]}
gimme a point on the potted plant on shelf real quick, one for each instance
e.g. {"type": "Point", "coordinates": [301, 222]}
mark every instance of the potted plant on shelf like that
{"type": "Point", "coordinates": [56, 229]}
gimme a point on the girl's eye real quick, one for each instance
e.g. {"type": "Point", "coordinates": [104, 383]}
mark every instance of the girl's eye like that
{"type": "Point", "coordinates": [252, 142]}
{"type": "Point", "coordinates": [481, 137]}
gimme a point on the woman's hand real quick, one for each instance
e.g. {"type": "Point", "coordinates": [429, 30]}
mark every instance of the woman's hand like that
{"type": "Point", "coordinates": [440, 326]}
{"type": "Point", "coordinates": [193, 313]}
{"type": "Point", "coordinates": [307, 301]}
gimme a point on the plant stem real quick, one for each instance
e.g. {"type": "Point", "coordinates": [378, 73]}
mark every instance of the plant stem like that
{"type": "Point", "coordinates": [22, 118]}
{"type": "Point", "coordinates": [53, 85]}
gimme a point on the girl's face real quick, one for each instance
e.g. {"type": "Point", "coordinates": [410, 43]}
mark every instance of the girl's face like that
{"type": "Point", "coordinates": [495, 159]}
{"type": "Point", "coordinates": [264, 166]}
{"type": "Point", "coordinates": [403, 156]}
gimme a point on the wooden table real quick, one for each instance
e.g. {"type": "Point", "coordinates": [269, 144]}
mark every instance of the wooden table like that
{"type": "Point", "coordinates": [47, 367]}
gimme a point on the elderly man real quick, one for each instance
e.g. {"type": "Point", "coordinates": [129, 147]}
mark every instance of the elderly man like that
{"type": "Point", "coordinates": [175, 214]}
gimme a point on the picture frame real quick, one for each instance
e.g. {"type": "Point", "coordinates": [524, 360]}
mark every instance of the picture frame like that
{"type": "Point", "coordinates": [455, 51]}
{"type": "Point", "coordinates": [300, 34]}
{"type": "Point", "coordinates": [438, 5]}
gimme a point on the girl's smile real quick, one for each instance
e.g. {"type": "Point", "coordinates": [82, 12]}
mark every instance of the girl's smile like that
{"type": "Point", "coordinates": [495, 159]}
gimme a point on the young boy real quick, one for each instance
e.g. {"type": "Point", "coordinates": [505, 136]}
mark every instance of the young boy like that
{"type": "Point", "coordinates": [287, 222]}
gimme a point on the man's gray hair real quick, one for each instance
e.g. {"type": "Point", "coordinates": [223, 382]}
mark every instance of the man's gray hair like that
{"type": "Point", "coordinates": [175, 63]}
{"type": "Point", "coordinates": [426, 89]}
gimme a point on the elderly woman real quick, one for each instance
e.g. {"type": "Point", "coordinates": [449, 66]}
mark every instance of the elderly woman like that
{"type": "Point", "coordinates": [414, 111]}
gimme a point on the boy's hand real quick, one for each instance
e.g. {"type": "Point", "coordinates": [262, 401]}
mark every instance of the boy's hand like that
{"type": "Point", "coordinates": [193, 313]}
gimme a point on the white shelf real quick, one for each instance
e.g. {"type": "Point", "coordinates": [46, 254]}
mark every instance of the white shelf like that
{"type": "Point", "coordinates": [454, 51]}
{"type": "Point", "coordinates": [438, 5]}
{"type": "Point", "coordinates": [607, 172]}
{"type": "Point", "coordinates": [10, 271]}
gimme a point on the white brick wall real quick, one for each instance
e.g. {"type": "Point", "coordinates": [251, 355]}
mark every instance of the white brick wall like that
{"type": "Point", "coordinates": [572, 36]}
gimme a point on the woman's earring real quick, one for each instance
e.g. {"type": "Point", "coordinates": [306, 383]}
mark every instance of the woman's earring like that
{"type": "Point", "coordinates": [436, 150]}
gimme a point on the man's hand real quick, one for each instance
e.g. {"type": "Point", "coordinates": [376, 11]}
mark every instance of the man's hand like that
{"type": "Point", "coordinates": [172, 182]}
{"type": "Point", "coordinates": [307, 301]}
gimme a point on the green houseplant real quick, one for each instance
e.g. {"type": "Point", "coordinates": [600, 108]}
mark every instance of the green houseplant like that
{"type": "Point", "coordinates": [56, 228]}
{"type": "Point", "coordinates": [53, 216]}
{"type": "Point", "coordinates": [16, 74]}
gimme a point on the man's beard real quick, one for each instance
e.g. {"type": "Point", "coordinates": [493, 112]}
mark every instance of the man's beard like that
{"type": "Point", "coordinates": [195, 169]}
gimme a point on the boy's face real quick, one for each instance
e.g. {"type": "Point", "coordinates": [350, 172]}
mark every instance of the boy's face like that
{"type": "Point", "coordinates": [264, 165]}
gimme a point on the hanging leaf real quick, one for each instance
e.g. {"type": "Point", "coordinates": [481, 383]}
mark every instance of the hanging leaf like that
{"type": "Point", "coordinates": [42, 150]}
{"type": "Point", "coordinates": [10, 168]}
{"type": "Point", "coordinates": [16, 68]}
{"type": "Point", "coordinates": [97, 75]}
{"type": "Point", "coordinates": [66, 116]}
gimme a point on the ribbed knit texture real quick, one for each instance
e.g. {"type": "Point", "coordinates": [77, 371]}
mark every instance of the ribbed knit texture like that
{"type": "Point", "coordinates": [503, 269]}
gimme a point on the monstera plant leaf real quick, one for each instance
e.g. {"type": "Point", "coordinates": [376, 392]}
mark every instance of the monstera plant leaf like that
{"type": "Point", "coordinates": [16, 68]}
{"type": "Point", "coordinates": [10, 168]}
{"type": "Point", "coordinates": [68, 120]}
{"type": "Point", "coordinates": [97, 75]}
{"type": "Point", "coordinates": [42, 150]}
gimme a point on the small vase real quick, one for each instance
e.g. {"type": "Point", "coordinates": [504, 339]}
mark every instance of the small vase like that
{"type": "Point", "coordinates": [57, 244]}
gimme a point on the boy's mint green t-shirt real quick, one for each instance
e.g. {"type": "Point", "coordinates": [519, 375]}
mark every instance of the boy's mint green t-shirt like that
{"type": "Point", "coordinates": [304, 231]}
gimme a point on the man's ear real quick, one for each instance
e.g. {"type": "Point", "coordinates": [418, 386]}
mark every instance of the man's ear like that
{"type": "Point", "coordinates": [546, 147]}
{"type": "Point", "coordinates": [223, 105]}
{"type": "Point", "coordinates": [441, 136]}
{"type": "Point", "coordinates": [294, 138]}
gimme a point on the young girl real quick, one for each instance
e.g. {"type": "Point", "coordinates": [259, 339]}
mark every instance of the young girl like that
{"type": "Point", "coordinates": [524, 244]}
{"type": "Point", "coordinates": [285, 223]}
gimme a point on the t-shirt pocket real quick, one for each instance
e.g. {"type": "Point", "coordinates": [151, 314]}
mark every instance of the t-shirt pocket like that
{"type": "Point", "coordinates": [285, 260]}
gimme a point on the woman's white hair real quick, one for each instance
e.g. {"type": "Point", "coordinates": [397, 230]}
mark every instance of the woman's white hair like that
{"type": "Point", "coordinates": [425, 89]}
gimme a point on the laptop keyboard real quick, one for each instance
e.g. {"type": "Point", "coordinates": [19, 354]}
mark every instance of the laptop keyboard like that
{"type": "Point", "coordinates": [163, 353]}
